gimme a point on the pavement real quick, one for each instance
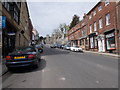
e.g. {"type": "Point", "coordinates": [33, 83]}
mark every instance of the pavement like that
{"type": "Point", "coordinates": [3, 68]}
{"type": "Point", "coordinates": [66, 69]}
{"type": "Point", "coordinates": [102, 53]}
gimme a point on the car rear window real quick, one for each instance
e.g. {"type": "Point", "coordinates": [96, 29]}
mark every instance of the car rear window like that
{"type": "Point", "coordinates": [25, 49]}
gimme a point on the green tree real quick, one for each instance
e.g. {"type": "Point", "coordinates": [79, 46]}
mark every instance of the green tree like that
{"type": "Point", "coordinates": [75, 21]}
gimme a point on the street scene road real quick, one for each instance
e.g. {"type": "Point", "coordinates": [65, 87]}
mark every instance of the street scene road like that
{"type": "Point", "coordinates": [65, 69]}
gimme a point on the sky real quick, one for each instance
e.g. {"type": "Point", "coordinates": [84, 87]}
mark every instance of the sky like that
{"type": "Point", "coordinates": [46, 16]}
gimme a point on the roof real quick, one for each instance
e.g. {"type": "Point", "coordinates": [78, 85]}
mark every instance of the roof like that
{"type": "Point", "coordinates": [94, 7]}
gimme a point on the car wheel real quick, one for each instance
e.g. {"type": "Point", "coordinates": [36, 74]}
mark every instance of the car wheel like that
{"type": "Point", "coordinates": [37, 64]}
{"type": "Point", "coordinates": [10, 69]}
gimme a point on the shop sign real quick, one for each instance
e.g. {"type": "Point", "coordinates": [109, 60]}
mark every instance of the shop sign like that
{"type": "Point", "coordinates": [3, 22]}
{"type": "Point", "coordinates": [11, 34]}
{"type": "Point", "coordinates": [110, 35]}
{"type": "Point", "coordinates": [0, 22]}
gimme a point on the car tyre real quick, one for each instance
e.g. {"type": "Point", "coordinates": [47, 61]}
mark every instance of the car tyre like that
{"type": "Point", "coordinates": [10, 69]}
{"type": "Point", "coordinates": [37, 64]}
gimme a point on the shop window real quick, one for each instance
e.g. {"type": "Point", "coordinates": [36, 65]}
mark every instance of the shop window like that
{"type": "Point", "coordinates": [0, 39]}
{"type": "Point", "coordinates": [86, 41]}
{"type": "Point", "coordinates": [110, 41]}
{"type": "Point", "coordinates": [91, 42]}
{"type": "Point", "coordinates": [95, 42]}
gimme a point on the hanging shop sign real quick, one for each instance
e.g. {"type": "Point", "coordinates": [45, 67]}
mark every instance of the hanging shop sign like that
{"type": "Point", "coordinates": [11, 34]}
{"type": "Point", "coordinates": [110, 35]}
{"type": "Point", "coordinates": [0, 22]}
{"type": "Point", "coordinates": [3, 22]}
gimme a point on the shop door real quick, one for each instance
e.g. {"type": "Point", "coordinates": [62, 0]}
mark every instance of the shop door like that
{"type": "Point", "coordinates": [101, 45]}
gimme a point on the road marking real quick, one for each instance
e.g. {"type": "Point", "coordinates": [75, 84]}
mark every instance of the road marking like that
{"type": "Point", "coordinates": [43, 70]}
{"type": "Point", "coordinates": [97, 82]}
{"type": "Point", "coordinates": [63, 78]}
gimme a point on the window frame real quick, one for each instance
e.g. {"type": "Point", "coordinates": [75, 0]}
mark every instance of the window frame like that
{"type": "Point", "coordinates": [100, 23]}
{"type": "Point", "coordinates": [107, 17]}
{"type": "Point", "coordinates": [99, 8]}
{"type": "Point", "coordinates": [107, 2]}
{"type": "Point", "coordinates": [94, 12]}
{"type": "Point", "coordinates": [95, 26]}
{"type": "Point", "coordinates": [90, 28]}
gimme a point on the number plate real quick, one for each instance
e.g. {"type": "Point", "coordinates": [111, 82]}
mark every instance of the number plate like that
{"type": "Point", "coordinates": [21, 57]}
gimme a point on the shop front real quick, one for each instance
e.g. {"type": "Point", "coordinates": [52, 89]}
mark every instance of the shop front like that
{"type": "Point", "coordinates": [83, 42]}
{"type": "Point", "coordinates": [93, 43]}
{"type": "Point", "coordinates": [110, 41]}
{"type": "Point", "coordinates": [8, 38]}
{"type": "Point", "coordinates": [101, 43]}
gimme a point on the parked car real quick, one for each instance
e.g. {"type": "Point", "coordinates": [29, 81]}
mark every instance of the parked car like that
{"type": "Point", "coordinates": [40, 48]}
{"type": "Point", "coordinates": [52, 46]}
{"type": "Point", "coordinates": [42, 45]}
{"type": "Point", "coordinates": [76, 49]}
{"type": "Point", "coordinates": [67, 47]}
{"type": "Point", "coordinates": [23, 56]}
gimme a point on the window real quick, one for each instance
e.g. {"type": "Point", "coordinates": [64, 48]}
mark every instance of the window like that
{"type": "Point", "coordinates": [90, 16]}
{"type": "Point", "coordinates": [100, 23]}
{"type": "Point", "coordinates": [90, 28]}
{"type": "Point", "coordinates": [106, 2]}
{"type": "Point", "coordinates": [0, 39]}
{"type": "Point", "coordinates": [107, 19]}
{"type": "Point", "coordinates": [110, 41]}
{"type": "Point", "coordinates": [94, 13]}
{"type": "Point", "coordinates": [95, 26]}
{"type": "Point", "coordinates": [95, 40]}
{"type": "Point", "coordinates": [6, 5]}
{"type": "Point", "coordinates": [99, 8]}
{"type": "Point", "coordinates": [91, 42]}
{"type": "Point", "coordinates": [83, 24]}
{"type": "Point", "coordinates": [81, 42]}
{"type": "Point", "coordinates": [82, 33]}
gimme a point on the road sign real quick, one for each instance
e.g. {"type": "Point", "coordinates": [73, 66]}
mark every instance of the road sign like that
{"type": "Point", "coordinates": [3, 22]}
{"type": "Point", "coordinates": [0, 22]}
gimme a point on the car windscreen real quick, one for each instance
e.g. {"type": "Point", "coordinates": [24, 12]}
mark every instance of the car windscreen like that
{"type": "Point", "coordinates": [25, 49]}
{"type": "Point", "coordinates": [76, 47]}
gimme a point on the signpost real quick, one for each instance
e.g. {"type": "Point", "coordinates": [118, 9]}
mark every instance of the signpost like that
{"type": "Point", "coordinates": [3, 22]}
{"type": "Point", "coordinates": [0, 22]}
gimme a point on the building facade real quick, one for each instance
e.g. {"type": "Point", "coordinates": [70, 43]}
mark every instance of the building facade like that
{"type": "Point", "coordinates": [23, 36]}
{"type": "Point", "coordinates": [11, 14]}
{"type": "Point", "coordinates": [16, 30]}
{"type": "Point", "coordinates": [99, 29]}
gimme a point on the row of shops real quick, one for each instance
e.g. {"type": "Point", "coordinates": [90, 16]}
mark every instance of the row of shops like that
{"type": "Point", "coordinates": [106, 42]}
{"type": "Point", "coordinates": [105, 39]}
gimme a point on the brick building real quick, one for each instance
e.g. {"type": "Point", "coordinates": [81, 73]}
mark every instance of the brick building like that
{"type": "Point", "coordinates": [16, 31]}
{"type": "Point", "coordinates": [11, 14]}
{"type": "Point", "coordinates": [73, 35]}
{"type": "Point", "coordinates": [98, 31]}
{"type": "Point", "coordinates": [23, 35]}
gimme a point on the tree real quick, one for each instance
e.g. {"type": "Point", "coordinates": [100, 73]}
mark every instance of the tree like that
{"type": "Point", "coordinates": [75, 21]}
